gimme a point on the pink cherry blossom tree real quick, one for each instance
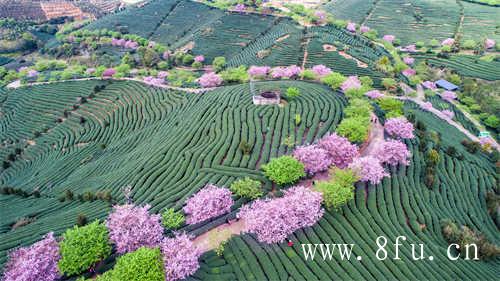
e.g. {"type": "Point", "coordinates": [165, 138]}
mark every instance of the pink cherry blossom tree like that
{"type": "Point", "coordinates": [399, 127]}
{"type": "Point", "coordinates": [389, 38]}
{"type": "Point", "coordinates": [37, 262]}
{"type": "Point", "coordinates": [489, 43]}
{"type": "Point", "coordinates": [209, 80]}
{"type": "Point", "coordinates": [288, 72]}
{"type": "Point", "coordinates": [180, 257]}
{"type": "Point", "coordinates": [448, 114]}
{"type": "Point", "coordinates": [314, 158]}
{"type": "Point", "coordinates": [426, 106]}
{"type": "Point", "coordinates": [351, 27]}
{"type": "Point", "coordinates": [199, 58]}
{"type": "Point", "coordinates": [448, 96]}
{"type": "Point", "coordinates": [408, 60]}
{"type": "Point", "coordinates": [448, 42]}
{"type": "Point", "coordinates": [393, 152]}
{"type": "Point", "coordinates": [321, 70]}
{"type": "Point", "coordinates": [429, 85]}
{"type": "Point", "coordinates": [211, 201]}
{"type": "Point", "coordinates": [408, 72]}
{"type": "Point", "coordinates": [340, 150]}
{"type": "Point", "coordinates": [109, 72]}
{"type": "Point", "coordinates": [272, 220]}
{"type": "Point", "coordinates": [131, 227]}
{"type": "Point", "coordinates": [258, 71]}
{"type": "Point", "coordinates": [369, 169]}
{"type": "Point", "coordinates": [364, 29]}
{"type": "Point", "coordinates": [374, 94]}
{"type": "Point", "coordinates": [352, 82]}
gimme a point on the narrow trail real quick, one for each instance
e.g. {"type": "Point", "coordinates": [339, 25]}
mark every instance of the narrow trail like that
{"type": "Point", "coordinates": [306, 53]}
{"type": "Point", "coordinates": [16, 84]}
{"type": "Point", "coordinates": [375, 138]}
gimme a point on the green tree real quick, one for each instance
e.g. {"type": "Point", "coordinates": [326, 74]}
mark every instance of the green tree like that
{"type": "Point", "coordinates": [82, 247]}
{"type": "Point", "coordinates": [492, 121]}
{"type": "Point", "coordinates": [235, 74]}
{"type": "Point", "coordinates": [247, 187]}
{"type": "Point", "coordinates": [334, 80]}
{"type": "Point", "coordinates": [172, 219]}
{"type": "Point", "coordinates": [144, 264]}
{"type": "Point", "coordinates": [391, 106]}
{"type": "Point", "coordinates": [339, 190]}
{"type": "Point", "coordinates": [284, 170]}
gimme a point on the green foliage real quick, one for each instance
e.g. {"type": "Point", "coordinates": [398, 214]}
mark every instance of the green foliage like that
{"type": "Point", "coordinates": [492, 121]}
{"type": "Point", "coordinates": [247, 187]}
{"type": "Point", "coordinates": [180, 77]}
{"type": "Point", "coordinates": [219, 63]}
{"type": "Point", "coordinates": [334, 80]}
{"type": "Point", "coordinates": [144, 264]}
{"type": "Point", "coordinates": [454, 78]}
{"type": "Point", "coordinates": [366, 81]}
{"type": "Point", "coordinates": [354, 128]}
{"type": "Point", "coordinates": [292, 93]}
{"type": "Point", "coordinates": [358, 108]}
{"type": "Point", "coordinates": [187, 59]}
{"type": "Point", "coordinates": [284, 170]}
{"type": "Point", "coordinates": [172, 219]}
{"type": "Point", "coordinates": [308, 74]}
{"type": "Point", "coordinates": [297, 119]}
{"type": "Point", "coordinates": [389, 83]}
{"type": "Point", "coordinates": [235, 74]}
{"type": "Point", "coordinates": [81, 247]}
{"type": "Point", "coordinates": [339, 190]}
{"type": "Point", "coordinates": [469, 44]}
{"type": "Point", "coordinates": [391, 106]}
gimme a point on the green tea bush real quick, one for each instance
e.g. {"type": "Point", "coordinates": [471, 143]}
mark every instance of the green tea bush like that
{"type": "Point", "coordinates": [172, 219]}
{"type": "Point", "coordinates": [284, 170]}
{"type": "Point", "coordinates": [247, 187]}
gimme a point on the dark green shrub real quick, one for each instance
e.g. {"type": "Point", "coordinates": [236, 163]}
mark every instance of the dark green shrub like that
{"type": "Point", "coordinates": [81, 220]}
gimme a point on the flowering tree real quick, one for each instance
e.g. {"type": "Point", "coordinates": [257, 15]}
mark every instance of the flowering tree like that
{"type": "Point", "coordinates": [166, 55]}
{"type": "Point", "coordinates": [131, 227]}
{"type": "Point", "coordinates": [109, 72]}
{"type": "Point", "coordinates": [389, 38]}
{"type": "Point", "coordinates": [211, 201]}
{"type": "Point", "coordinates": [426, 106]}
{"type": "Point", "coordinates": [258, 71]}
{"type": "Point", "coordinates": [32, 73]}
{"type": "Point", "coordinates": [448, 42]}
{"type": "Point", "coordinates": [394, 152]}
{"type": "Point", "coordinates": [364, 29]}
{"type": "Point", "coordinates": [37, 262]}
{"type": "Point", "coordinates": [180, 257]}
{"type": "Point", "coordinates": [374, 94]}
{"type": "Point", "coordinates": [162, 74]}
{"type": "Point", "coordinates": [321, 70]}
{"type": "Point", "coordinates": [352, 82]}
{"type": "Point", "coordinates": [408, 72]}
{"type": "Point", "coordinates": [240, 8]}
{"type": "Point", "coordinates": [199, 58]}
{"type": "Point", "coordinates": [209, 80]}
{"type": "Point", "coordinates": [150, 80]}
{"type": "Point", "coordinates": [408, 60]}
{"type": "Point", "coordinates": [272, 220]}
{"type": "Point", "coordinates": [339, 149]}
{"type": "Point", "coordinates": [429, 85]}
{"type": "Point", "coordinates": [489, 43]}
{"type": "Point", "coordinates": [412, 48]}
{"type": "Point", "coordinates": [369, 169]}
{"type": "Point", "coordinates": [285, 72]}
{"type": "Point", "coordinates": [314, 158]}
{"type": "Point", "coordinates": [448, 96]}
{"type": "Point", "coordinates": [448, 114]}
{"type": "Point", "coordinates": [351, 27]}
{"type": "Point", "coordinates": [399, 127]}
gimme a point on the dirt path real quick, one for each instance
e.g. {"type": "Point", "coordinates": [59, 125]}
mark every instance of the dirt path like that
{"type": "Point", "coordinates": [17, 84]}
{"type": "Point", "coordinates": [375, 138]}
{"type": "Point", "coordinates": [211, 239]}
{"type": "Point", "coordinates": [306, 53]}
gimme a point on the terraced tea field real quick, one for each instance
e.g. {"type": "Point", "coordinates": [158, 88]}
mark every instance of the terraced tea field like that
{"type": "Point", "coordinates": [165, 144]}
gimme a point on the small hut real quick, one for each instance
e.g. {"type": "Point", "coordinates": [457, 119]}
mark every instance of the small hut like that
{"type": "Point", "coordinates": [446, 85]}
{"type": "Point", "coordinates": [267, 97]}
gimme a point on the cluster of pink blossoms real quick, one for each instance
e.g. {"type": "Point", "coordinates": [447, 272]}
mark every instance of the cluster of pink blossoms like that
{"type": "Point", "coordinates": [109, 72]}
{"type": "Point", "coordinates": [364, 29]}
{"type": "Point", "coordinates": [37, 262]}
{"type": "Point", "coordinates": [412, 48]}
{"type": "Point", "coordinates": [321, 70]}
{"type": "Point", "coordinates": [448, 42]}
{"type": "Point", "coordinates": [285, 72]}
{"type": "Point", "coordinates": [258, 71]}
{"type": "Point", "coordinates": [408, 60]}
{"type": "Point", "coordinates": [131, 227]}
{"type": "Point", "coordinates": [448, 114]}
{"type": "Point", "coordinates": [408, 72]}
{"type": "Point", "coordinates": [369, 169]}
{"type": "Point", "coordinates": [240, 8]}
{"type": "Point", "coordinates": [489, 43]}
{"type": "Point", "coordinates": [166, 55]}
{"type": "Point", "coordinates": [339, 149]}
{"type": "Point", "coordinates": [487, 143]}
{"type": "Point", "coordinates": [394, 152]}
{"type": "Point", "coordinates": [389, 38]}
{"type": "Point", "coordinates": [448, 96]}
{"type": "Point", "coordinates": [162, 74]}
{"type": "Point", "coordinates": [321, 15]}
{"type": "Point", "coordinates": [426, 106]}
{"type": "Point", "coordinates": [351, 27]}
{"type": "Point", "coordinates": [272, 220]}
{"type": "Point", "coordinates": [374, 94]}
{"type": "Point", "coordinates": [314, 158]}
{"type": "Point", "coordinates": [211, 201]}
{"type": "Point", "coordinates": [129, 44]}
{"type": "Point", "coordinates": [399, 127]}
{"type": "Point", "coordinates": [209, 80]}
{"type": "Point", "coordinates": [429, 85]}
{"type": "Point", "coordinates": [199, 58]}
{"type": "Point", "coordinates": [153, 81]}
{"type": "Point", "coordinates": [352, 82]}
{"type": "Point", "coordinates": [180, 257]}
